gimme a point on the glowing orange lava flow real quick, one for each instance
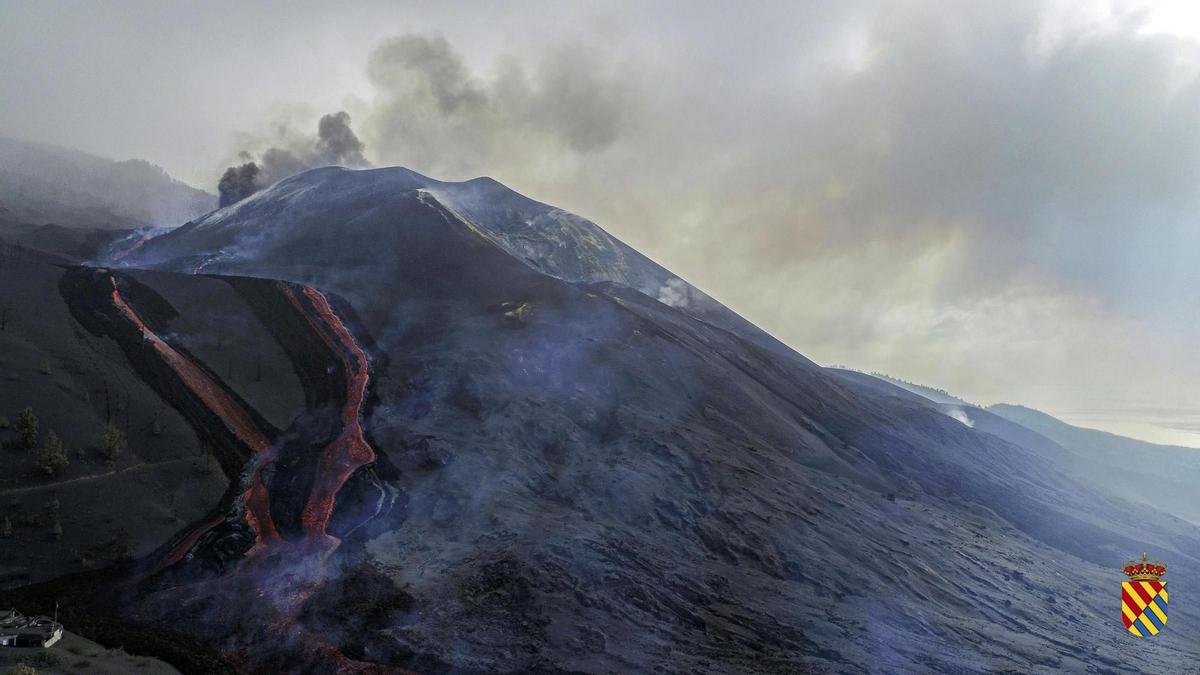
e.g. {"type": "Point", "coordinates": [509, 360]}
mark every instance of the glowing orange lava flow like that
{"type": "Point", "coordinates": [349, 450]}
{"type": "Point", "coordinates": [235, 418]}
{"type": "Point", "coordinates": [120, 255]}
{"type": "Point", "coordinates": [285, 573]}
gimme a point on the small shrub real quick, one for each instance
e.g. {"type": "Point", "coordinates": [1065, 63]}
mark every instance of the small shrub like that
{"type": "Point", "coordinates": [21, 669]}
{"type": "Point", "coordinates": [52, 458]}
{"type": "Point", "coordinates": [27, 429]}
{"type": "Point", "coordinates": [4, 423]}
{"type": "Point", "coordinates": [112, 443]}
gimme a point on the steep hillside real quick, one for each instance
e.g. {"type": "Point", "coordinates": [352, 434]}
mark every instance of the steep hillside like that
{"type": "Point", "coordinates": [73, 243]}
{"type": "Point", "coordinates": [41, 184]}
{"type": "Point", "coordinates": [108, 507]}
{"type": "Point", "coordinates": [458, 441]}
{"type": "Point", "coordinates": [1161, 477]}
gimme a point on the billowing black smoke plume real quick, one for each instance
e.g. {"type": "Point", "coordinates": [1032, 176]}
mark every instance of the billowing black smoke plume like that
{"type": "Point", "coordinates": [335, 143]}
{"type": "Point", "coordinates": [237, 183]}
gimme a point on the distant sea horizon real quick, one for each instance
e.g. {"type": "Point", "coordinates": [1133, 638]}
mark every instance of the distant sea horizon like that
{"type": "Point", "coordinates": [1164, 426]}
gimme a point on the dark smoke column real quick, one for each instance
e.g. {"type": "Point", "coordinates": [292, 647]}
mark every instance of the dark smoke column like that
{"type": "Point", "coordinates": [335, 143]}
{"type": "Point", "coordinates": [237, 183]}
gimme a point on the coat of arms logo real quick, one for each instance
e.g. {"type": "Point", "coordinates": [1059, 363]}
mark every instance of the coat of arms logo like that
{"type": "Point", "coordinates": [1144, 597]}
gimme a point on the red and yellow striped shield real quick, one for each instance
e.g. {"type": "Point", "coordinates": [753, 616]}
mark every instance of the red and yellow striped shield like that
{"type": "Point", "coordinates": [1144, 606]}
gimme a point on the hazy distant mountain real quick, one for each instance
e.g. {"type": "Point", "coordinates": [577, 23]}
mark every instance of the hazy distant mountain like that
{"type": "Point", "coordinates": [1164, 475]}
{"type": "Point", "coordinates": [41, 184]}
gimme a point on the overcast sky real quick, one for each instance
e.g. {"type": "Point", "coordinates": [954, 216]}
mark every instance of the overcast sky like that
{"type": "Point", "coordinates": [1000, 199]}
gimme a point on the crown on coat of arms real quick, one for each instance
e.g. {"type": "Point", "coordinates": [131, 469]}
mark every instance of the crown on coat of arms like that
{"type": "Point", "coordinates": [1145, 569]}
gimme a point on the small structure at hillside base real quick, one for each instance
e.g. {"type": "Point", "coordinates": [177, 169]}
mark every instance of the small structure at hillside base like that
{"type": "Point", "coordinates": [18, 630]}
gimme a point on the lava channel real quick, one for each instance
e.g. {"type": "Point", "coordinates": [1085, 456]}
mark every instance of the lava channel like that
{"type": "Point", "coordinates": [231, 413]}
{"type": "Point", "coordinates": [350, 449]}
{"type": "Point", "coordinates": [286, 572]}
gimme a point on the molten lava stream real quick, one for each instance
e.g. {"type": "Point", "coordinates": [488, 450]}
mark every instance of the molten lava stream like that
{"type": "Point", "coordinates": [289, 589]}
{"type": "Point", "coordinates": [350, 449]}
{"type": "Point", "coordinates": [235, 418]}
{"type": "Point", "coordinates": [121, 255]}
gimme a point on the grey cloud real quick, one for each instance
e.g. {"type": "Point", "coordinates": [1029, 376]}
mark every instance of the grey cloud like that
{"type": "Point", "coordinates": [957, 123]}
{"type": "Point", "coordinates": [429, 111]}
{"type": "Point", "coordinates": [336, 141]}
{"type": "Point", "coordinates": [416, 67]}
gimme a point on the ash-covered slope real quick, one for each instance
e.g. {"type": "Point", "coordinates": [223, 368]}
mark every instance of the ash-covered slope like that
{"type": "Point", "coordinates": [107, 507]}
{"type": "Point", "coordinates": [512, 465]}
{"type": "Point", "coordinates": [1160, 476]}
{"type": "Point", "coordinates": [285, 227]}
{"type": "Point", "coordinates": [1163, 475]}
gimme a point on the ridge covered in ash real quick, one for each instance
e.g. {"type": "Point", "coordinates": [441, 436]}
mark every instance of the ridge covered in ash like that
{"type": "Point", "coordinates": [287, 223]}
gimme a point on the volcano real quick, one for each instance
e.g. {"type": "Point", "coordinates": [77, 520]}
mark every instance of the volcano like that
{"type": "Point", "coordinates": [464, 431]}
